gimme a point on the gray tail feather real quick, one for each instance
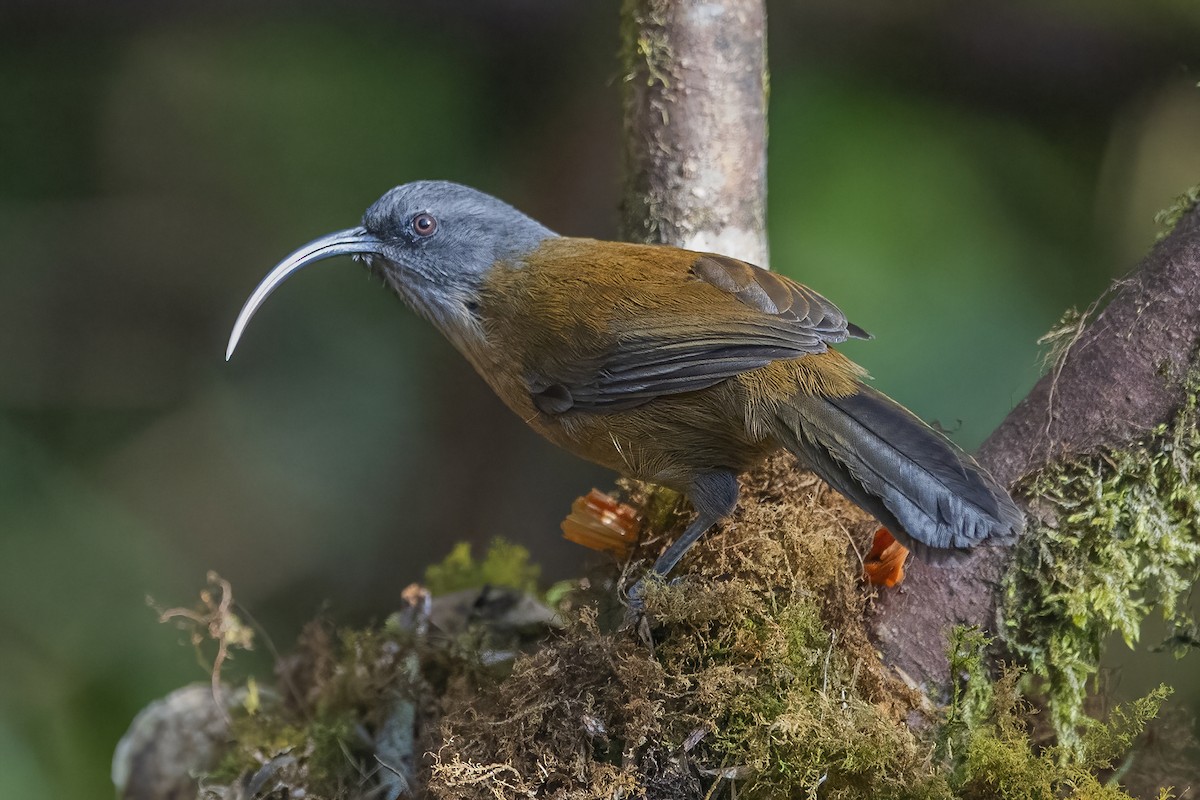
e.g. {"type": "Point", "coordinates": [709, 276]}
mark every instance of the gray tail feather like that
{"type": "Point", "coordinates": [916, 482]}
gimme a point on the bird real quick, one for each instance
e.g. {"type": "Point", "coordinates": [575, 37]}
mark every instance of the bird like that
{"type": "Point", "coordinates": [666, 365]}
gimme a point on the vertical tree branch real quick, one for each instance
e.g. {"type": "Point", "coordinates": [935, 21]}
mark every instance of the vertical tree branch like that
{"type": "Point", "coordinates": [695, 125]}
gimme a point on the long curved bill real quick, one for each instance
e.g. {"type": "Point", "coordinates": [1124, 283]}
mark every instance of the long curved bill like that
{"type": "Point", "coordinates": [347, 242]}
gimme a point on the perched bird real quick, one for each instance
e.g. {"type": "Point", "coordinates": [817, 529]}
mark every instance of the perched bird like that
{"type": "Point", "coordinates": [670, 366]}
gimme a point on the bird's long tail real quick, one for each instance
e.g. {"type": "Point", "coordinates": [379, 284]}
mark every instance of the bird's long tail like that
{"type": "Point", "coordinates": [916, 482]}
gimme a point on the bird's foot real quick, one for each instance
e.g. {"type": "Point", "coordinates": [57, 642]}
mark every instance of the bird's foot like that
{"type": "Point", "coordinates": [637, 622]}
{"type": "Point", "coordinates": [635, 605]}
{"type": "Point", "coordinates": [636, 618]}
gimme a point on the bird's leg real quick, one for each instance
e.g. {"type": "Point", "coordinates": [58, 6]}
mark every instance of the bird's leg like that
{"type": "Point", "coordinates": [714, 495]}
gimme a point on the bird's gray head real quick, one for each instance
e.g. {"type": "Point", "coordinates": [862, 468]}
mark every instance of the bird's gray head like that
{"type": "Point", "coordinates": [431, 241]}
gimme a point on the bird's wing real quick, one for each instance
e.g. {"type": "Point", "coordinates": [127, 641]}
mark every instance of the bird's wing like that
{"type": "Point", "coordinates": [778, 297]}
{"type": "Point", "coordinates": [753, 317]}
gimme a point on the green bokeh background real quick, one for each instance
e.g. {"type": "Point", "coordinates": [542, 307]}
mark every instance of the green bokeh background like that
{"type": "Point", "coordinates": [953, 175]}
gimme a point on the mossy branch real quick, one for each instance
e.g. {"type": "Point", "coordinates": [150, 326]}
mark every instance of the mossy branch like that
{"type": "Point", "coordinates": [1116, 535]}
{"type": "Point", "coordinates": [1105, 445]}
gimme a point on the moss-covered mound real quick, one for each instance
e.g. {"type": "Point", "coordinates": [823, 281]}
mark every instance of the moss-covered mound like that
{"type": "Point", "coordinates": [758, 672]}
{"type": "Point", "coordinates": [758, 681]}
{"type": "Point", "coordinates": [751, 677]}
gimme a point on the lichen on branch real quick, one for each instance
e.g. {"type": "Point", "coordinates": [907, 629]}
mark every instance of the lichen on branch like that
{"type": "Point", "coordinates": [1111, 536]}
{"type": "Point", "coordinates": [1170, 216]}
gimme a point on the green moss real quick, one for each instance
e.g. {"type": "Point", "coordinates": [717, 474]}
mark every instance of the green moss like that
{"type": "Point", "coordinates": [645, 48]}
{"type": "Point", "coordinates": [757, 680]}
{"type": "Point", "coordinates": [1169, 217]}
{"type": "Point", "coordinates": [760, 682]}
{"type": "Point", "coordinates": [971, 694]}
{"type": "Point", "coordinates": [1112, 536]}
{"type": "Point", "coordinates": [761, 675]}
{"type": "Point", "coordinates": [504, 565]}
{"type": "Point", "coordinates": [783, 699]}
{"type": "Point", "coordinates": [1002, 762]}
{"type": "Point", "coordinates": [318, 732]}
{"type": "Point", "coordinates": [985, 748]}
{"type": "Point", "coordinates": [312, 755]}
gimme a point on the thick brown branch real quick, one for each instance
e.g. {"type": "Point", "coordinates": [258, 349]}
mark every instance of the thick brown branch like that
{"type": "Point", "coordinates": [1123, 376]}
{"type": "Point", "coordinates": [1118, 380]}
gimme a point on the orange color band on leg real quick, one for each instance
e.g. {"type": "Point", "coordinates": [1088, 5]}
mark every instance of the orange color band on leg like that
{"type": "Point", "coordinates": [601, 523]}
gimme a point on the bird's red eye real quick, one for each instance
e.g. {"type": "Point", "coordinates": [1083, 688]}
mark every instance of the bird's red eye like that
{"type": "Point", "coordinates": [424, 224]}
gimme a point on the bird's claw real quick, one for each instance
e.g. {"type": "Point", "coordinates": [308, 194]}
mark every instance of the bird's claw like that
{"type": "Point", "coordinates": [635, 606]}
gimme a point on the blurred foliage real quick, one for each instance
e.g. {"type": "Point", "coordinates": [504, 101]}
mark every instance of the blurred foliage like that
{"type": "Point", "coordinates": [953, 176]}
{"type": "Point", "coordinates": [503, 565]}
